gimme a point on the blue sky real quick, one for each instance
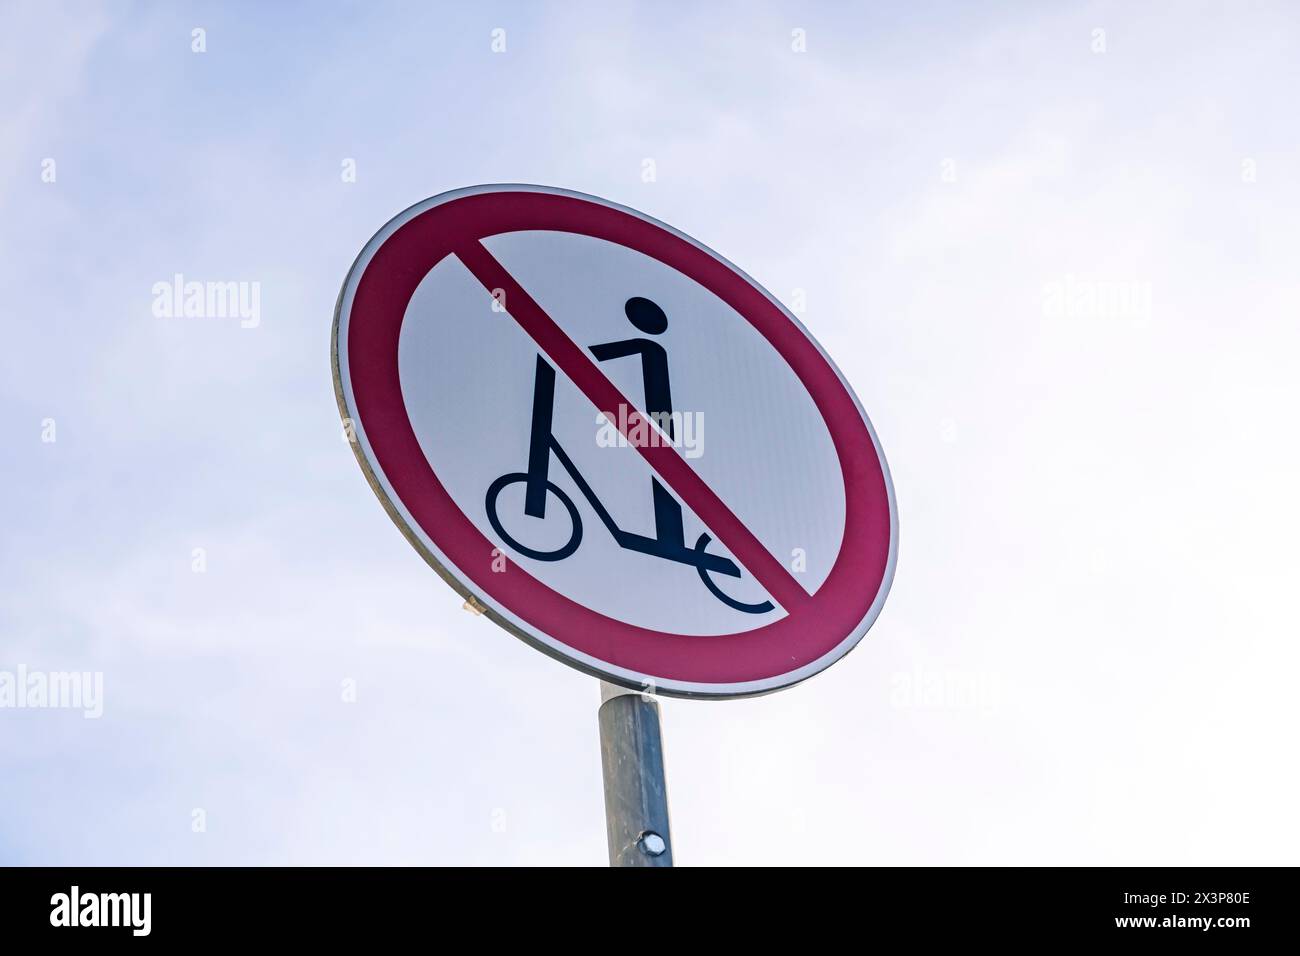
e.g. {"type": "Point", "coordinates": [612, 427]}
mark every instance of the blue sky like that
{"type": "Point", "coordinates": [1096, 508]}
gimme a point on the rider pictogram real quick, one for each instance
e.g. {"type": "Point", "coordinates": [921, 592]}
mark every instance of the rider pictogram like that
{"type": "Point", "coordinates": [669, 539]}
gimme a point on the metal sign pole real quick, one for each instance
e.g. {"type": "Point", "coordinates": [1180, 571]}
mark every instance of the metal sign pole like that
{"type": "Point", "coordinates": [636, 795]}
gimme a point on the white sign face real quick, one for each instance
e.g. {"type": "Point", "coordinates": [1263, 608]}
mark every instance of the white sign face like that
{"type": "Point", "coordinates": [614, 441]}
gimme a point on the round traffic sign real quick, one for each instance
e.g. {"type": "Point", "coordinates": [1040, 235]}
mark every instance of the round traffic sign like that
{"type": "Point", "coordinates": [615, 442]}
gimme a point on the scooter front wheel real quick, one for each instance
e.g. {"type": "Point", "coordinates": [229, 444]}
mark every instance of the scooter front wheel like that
{"type": "Point", "coordinates": [575, 537]}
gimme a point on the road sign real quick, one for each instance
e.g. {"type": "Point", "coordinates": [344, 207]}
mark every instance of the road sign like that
{"type": "Point", "coordinates": [614, 441]}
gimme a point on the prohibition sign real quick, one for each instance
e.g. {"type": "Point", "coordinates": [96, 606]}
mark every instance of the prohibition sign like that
{"type": "Point", "coordinates": [464, 332]}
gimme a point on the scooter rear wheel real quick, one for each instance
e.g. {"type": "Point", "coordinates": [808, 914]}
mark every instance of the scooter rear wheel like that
{"type": "Point", "coordinates": [760, 608]}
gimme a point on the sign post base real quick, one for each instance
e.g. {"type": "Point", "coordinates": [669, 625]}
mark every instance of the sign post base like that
{"type": "Point", "coordinates": [636, 795]}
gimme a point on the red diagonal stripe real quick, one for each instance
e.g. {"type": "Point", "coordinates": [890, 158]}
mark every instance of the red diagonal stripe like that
{"type": "Point", "coordinates": [664, 459]}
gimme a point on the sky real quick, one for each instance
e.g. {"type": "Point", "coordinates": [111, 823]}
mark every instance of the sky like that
{"type": "Point", "coordinates": [1051, 247]}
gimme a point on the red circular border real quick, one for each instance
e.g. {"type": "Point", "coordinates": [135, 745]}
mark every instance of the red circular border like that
{"type": "Point", "coordinates": [374, 324]}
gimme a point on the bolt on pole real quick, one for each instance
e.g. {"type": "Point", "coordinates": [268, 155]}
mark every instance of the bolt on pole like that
{"type": "Point", "coordinates": [636, 795]}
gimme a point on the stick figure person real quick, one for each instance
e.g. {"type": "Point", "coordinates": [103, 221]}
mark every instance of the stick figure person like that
{"type": "Point", "coordinates": [650, 319]}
